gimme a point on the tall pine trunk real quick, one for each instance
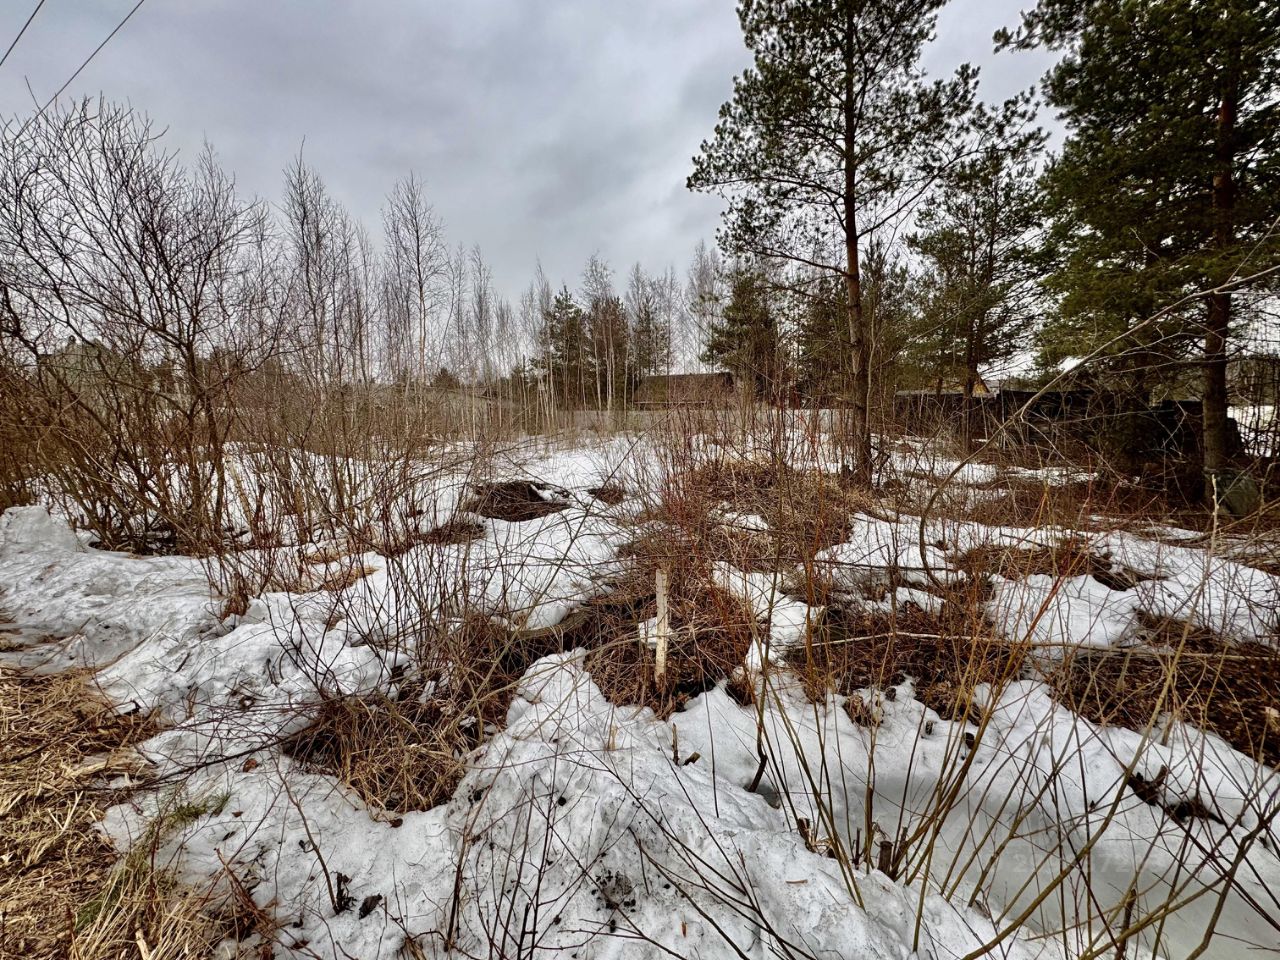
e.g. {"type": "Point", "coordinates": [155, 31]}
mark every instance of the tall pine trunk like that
{"type": "Point", "coordinates": [1218, 321]}
{"type": "Point", "coordinates": [859, 347]}
{"type": "Point", "coordinates": [859, 368]}
{"type": "Point", "coordinates": [970, 385]}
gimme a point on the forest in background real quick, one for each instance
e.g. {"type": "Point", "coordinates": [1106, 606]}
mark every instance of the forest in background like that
{"type": "Point", "coordinates": [884, 230]}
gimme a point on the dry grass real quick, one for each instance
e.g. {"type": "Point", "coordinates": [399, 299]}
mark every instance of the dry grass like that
{"type": "Point", "coordinates": [711, 630]}
{"type": "Point", "coordinates": [1081, 504]}
{"type": "Point", "coordinates": [806, 510]}
{"type": "Point", "coordinates": [408, 752]}
{"type": "Point", "coordinates": [398, 755]}
{"type": "Point", "coordinates": [452, 531]}
{"type": "Point", "coordinates": [1067, 558]}
{"type": "Point", "coordinates": [327, 555]}
{"type": "Point", "coordinates": [946, 654]}
{"type": "Point", "coordinates": [513, 500]}
{"type": "Point", "coordinates": [705, 648]}
{"type": "Point", "coordinates": [64, 892]}
{"type": "Point", "coordinates": [1187, 674]}
{"type": "Point", "coordinates": [342, 578]}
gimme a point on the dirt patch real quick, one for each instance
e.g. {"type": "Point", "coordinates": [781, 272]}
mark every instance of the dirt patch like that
{"type": "Point", "coordinates": [398, 755]}
{"type": "Point", "coordinates": [610, 494]}
{"type": "Point", "coordinates": [64, 890]}
{"type": "Point", "coordinates": [342, 578]}
{"type": "Point", "coordinates": [1028, 502]}
{"type": "Point", "coordinates": [1189, 674]}
{"type": "Point", "coordinates": [711, 631]}
{"type": "Point", "coordinates": [1069, 558]}
{"type": "Point", "coordinates": [405, 752]}
{"type": "Point", "coordinates": [454, 531]}
{"type": "Point", "coordinates": [1152, 793]}
{"type": "Point", "coordinates": [515, 500]}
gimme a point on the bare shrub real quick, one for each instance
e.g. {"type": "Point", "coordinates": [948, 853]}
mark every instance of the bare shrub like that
{"type": "Point", "coordinates": [134, 301]}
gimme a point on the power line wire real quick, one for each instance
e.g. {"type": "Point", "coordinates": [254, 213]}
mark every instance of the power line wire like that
{"type": "Point", "coordinates": [89, 59]}
{"type": "Point", "coordinates": [21, 32]}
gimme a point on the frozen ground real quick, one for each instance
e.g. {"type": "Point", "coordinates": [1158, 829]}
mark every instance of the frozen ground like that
{"type": "Point", "coordinates": [584, 828]}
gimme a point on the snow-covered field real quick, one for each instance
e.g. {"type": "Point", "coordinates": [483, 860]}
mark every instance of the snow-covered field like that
{"type": "Point", "coordinates": [587, 828]}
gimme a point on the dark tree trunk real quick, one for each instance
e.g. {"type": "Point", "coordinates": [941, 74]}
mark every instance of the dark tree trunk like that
{"type": "Point", "coordinates": [859, 368]}
{"type": "Point", "coordinates": [970, 385]}
{"type": "Point", "coordinates": [1218, 321]}
{"type": "Point", "coordinates": [859, 345]}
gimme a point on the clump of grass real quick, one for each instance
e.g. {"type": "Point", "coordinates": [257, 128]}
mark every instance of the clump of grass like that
{"type": "Point", "coordinates": [408, 751]}
{"type": "Point", "coordinates": [340, 579]}
{"type": "Point", "coordinates": [697, 660]}
{"type": "Point", "coordinates": [514, 500]}
{"type": "Point", "coordinates": [711, 630]}
{"type": "Point", "coordinates": [452, 531]}
{"type": "Point", "coordinates": [1068, 558]}
{"type": "Point", "coordinates": [945, 654]}
{"type": "Point", "coordinates": [65, 892]}
{"type": "Point", "coordinates": [1185, 673]}
{"type": "Point", "coordinates": [397, 755]}
{"type": "Point", "coordinates": [806, 510]}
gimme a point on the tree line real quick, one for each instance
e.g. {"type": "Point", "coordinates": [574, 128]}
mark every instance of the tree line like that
{"type": "Point", "coordinates": [888, 219]}
{"type": "Point", "coordinates": [156, 323]}
{"type": "Point", "coordinates": [884, 229]}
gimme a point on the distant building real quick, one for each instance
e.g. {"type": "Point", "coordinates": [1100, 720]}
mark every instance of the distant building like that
{"type": "Point", "coordinates": [685, 389]}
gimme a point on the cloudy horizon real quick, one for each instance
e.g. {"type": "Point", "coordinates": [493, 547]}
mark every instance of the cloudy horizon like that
{"type": "Point", "coordinates": [541, 135]}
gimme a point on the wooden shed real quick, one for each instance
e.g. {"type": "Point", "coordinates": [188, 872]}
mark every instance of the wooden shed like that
{"type": "Point", "coordinates": [684, 389]}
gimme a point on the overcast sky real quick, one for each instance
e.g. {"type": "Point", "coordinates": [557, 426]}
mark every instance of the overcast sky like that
{"type": "Point", "coordinates": [542, 128]}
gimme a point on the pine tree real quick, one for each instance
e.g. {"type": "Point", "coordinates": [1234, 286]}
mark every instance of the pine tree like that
{"type": "Point", "coordinates": [892, 313]}
{"type": "Point", "coordinates": [832, 135]}
{"type": "Point", "coordinates": [563, 350]}
{"type": "Point", "coordinates": [1168, 186]}
{"type": "Point", "coordinates": [746, 338]}
{"type": "Point", "coordinates": [650, 329]}
{"type": "Point", "coordinates": [978, 243]}
{"type": "Point", "coordinates": [822, 339]}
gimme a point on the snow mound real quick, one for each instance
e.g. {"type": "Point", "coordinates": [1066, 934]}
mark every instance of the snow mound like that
{"type": "Point", "coordinates": [574, 830]}
{"type": "Point", "coordinates": [26, 528]}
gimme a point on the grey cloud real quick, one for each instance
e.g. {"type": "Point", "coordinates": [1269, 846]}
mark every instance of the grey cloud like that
{"type": "Point", "coordinates": [543, 128]}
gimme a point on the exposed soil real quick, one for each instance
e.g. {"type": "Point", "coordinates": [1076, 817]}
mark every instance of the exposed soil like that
{"type": "Point", "coordinates": [453, 531]}
{"type": "Point", "coordinates": [610, 494]}
{"type": "Point", "coordinates": [397, 755]}
{"type": "Point", "coordinates": [514, 500]}
{"type": "Point", "coordinates": [806, 510]}
{"type": "Point", "coordinates": [711, 633]}
{"type": "Point", "coordinates": [1028, 502]}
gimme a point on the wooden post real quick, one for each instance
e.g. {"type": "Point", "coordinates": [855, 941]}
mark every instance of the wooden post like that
{"type": "Point", "coordinates": [663, 627]}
